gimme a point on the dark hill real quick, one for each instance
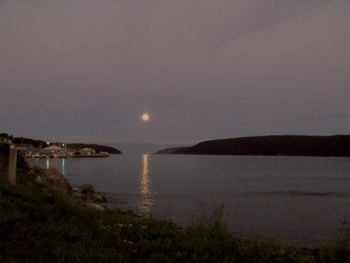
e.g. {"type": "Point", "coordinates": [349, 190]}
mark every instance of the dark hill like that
{"type": "Point", "coordinates": [33, 142]}
{"type": "Point", "coordinates": [170, 150]}
{"type": "Point", "coordinates": [288, 145]}
{"type": "Point", "coordinates": [96, 147]}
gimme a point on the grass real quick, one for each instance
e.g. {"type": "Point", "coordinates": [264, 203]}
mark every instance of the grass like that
{"type": "Point", "coordinates": [40, 225]}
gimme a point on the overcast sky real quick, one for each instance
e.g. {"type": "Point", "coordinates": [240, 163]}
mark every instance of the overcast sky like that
{"type": "Point", "coordinates": [84, 70]}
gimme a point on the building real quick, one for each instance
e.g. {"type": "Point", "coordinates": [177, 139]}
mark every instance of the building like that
{"type": "Point", "coordinates": [89, 153]}
{"type": "Point", "coordinates": [54, 151]}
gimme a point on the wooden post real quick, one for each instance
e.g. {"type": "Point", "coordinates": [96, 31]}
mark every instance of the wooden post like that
{"type": "Point", "coordinates": [12, 164]}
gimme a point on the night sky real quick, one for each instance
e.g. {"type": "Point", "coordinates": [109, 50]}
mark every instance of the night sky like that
{"type": "Point", "coordinates": [85, 70]}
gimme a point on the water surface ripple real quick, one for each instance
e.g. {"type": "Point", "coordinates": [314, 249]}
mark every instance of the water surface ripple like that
{"type": "Point", "coordinates": [296, 199]}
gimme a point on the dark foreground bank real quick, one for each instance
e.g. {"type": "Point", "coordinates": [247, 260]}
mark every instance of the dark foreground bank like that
{"type": "Point", "coordinates": [39, 224]}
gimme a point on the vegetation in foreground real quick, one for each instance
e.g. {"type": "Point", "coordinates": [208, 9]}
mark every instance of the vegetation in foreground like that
{"type": "Point", "coordinates": [38, 224]}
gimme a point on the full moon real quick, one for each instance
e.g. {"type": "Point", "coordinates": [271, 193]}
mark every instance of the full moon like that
{"type": "Point", "coordinates": [145, 117]}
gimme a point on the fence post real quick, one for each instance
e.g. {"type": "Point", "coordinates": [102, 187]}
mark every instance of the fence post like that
{"type": "Point", "coordinates": [12, 164]}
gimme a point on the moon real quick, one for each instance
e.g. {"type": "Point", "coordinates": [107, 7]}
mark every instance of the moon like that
{"type": "Point", "coordinates": [145, 117]}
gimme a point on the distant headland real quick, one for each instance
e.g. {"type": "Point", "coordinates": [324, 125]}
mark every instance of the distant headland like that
{"type": "Point", "coordinates": [40, 144]}
{"type": "Point", "coordinates": [274, 145]}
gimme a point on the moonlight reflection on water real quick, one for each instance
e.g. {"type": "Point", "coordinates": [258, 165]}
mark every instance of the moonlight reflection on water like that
{"type": "Point", "coordinates": [146, 201]}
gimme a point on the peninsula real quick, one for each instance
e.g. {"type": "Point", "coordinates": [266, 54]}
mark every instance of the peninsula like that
{"type": "Point", "coordinates": [274, 145]}
{"type": "Point", "coordinates": [42, 149]}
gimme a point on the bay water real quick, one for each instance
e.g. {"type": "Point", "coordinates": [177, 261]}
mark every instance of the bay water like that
{"type": "Point", "coordinates": [299, 200]}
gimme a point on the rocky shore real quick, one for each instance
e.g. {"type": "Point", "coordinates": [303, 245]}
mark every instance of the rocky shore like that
{"type": "Point", "coordinates": [55, 180]}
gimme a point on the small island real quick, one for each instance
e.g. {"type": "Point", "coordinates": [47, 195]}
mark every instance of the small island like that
{"type": "Point", "coordinates": [274, 145]}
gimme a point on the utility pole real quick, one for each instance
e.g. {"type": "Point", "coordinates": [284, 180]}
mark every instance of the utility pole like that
{"type": "Point", "coordinates": [12, 164]}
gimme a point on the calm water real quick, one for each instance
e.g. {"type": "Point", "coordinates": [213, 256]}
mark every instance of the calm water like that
{"type": "Point", "coordinates": [296, 199]}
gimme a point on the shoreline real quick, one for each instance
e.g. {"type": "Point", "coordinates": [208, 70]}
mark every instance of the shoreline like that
{"type": "Point", "coordinates": [53, 215]}
{"type": "Point", "coordinates": [52, 178]}
{"type": "Point", "coordinates": [243, 226]}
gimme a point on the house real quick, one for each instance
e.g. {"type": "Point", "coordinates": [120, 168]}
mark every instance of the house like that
{"type": "Point", "coordinates": [54, 151]}
{"type": "Point", "coordinates": [90, 153]}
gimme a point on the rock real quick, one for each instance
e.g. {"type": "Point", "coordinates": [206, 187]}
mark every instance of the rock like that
{"type": "Point", "coordinates": [39, 180]}
{"type": "Point", "coordinates": [32, 174]}
{"type": "Point", "coordinates": [86, 189]}
{"type": "Point", "coordinates": [98, 199]}
{"type": "Point", "coordinates": [78, 195]}
{"type": "Point", "coordinates": [94, 198]}
{"type": "Point", "coordinates": [96, 206]}
{"type": "Point", "coordinates": [54, 179]}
